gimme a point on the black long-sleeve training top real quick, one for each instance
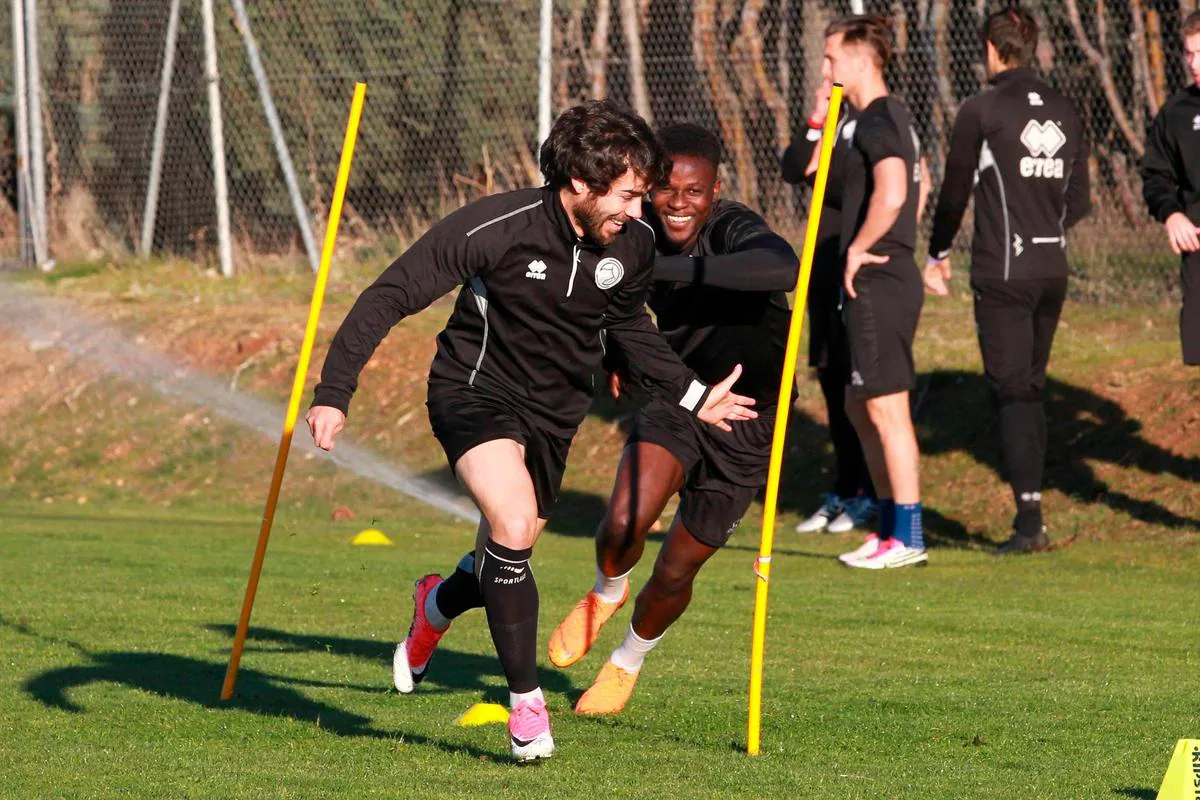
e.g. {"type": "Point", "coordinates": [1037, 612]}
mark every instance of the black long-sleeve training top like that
{"type": "Point", "coordinates": [827, 264]}
{"type": "Point", "coordinates": [526, 326]}
{"type": "Point", "coordinates": [1171, 165]}
{"type": "Point", "coordinates": [1021, 146]}
{"type": "Point", "coordinates": [724, 303]}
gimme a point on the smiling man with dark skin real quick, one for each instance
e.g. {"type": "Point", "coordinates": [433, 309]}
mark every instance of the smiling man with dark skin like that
{"type": "Point", "coordinates": [720, 278]}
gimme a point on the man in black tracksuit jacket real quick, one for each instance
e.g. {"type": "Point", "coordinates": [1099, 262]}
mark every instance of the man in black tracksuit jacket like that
{"type": "Point", "coordinates": [719, 292]}
{"type": "Point", "coordinates": [1171, 185]}
{"type": "Point", "coordinates": [1020, 146]}
{"type": "Point", "coordinates": [544, 271]}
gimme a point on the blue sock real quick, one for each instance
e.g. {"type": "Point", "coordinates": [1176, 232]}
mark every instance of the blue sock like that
{"type": "Point", "coordinates": [887, 517]}
{"type": "Point", "coordinates": [907, 527]}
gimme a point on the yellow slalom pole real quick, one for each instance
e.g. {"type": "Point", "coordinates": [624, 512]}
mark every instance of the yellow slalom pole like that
{"type": "Point", "coordinates": [293, 411]}
{"type": "Point", "coordinates": [763, 565]}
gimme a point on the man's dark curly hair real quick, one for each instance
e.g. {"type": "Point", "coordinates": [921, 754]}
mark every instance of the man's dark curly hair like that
{"type": "Point", "coordinates": [688, 139]}
{"type": "Point", "coordinates": [597, 142]}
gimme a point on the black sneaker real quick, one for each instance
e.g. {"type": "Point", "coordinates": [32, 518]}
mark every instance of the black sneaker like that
{"type": "Point", "coordinates": [1020, 544]}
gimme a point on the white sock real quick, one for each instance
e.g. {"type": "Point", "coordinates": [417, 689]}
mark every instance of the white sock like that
{"type": "Point", "coordinates": [521, 697]}
{"type": "Point", "coordinates": [632, 652]}
{"type": "Point", "coordinates": [436, 619]}
{"type": "Point", "coordinates": [610, 590]}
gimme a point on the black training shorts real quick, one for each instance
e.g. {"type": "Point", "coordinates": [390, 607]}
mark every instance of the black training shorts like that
{"type": "Point", "coordinates": [723, 470]}
{"type": "Point", "coordinates": [464, 417]}
{"type": "Point", "coordinates": [881, 324]}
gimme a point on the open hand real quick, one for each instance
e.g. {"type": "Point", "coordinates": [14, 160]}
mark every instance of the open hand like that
{"type": "Point", "coordinates": [1182, 233]}
{"type": "Point", "coordinates": [722, 404]}
{"type": "Point", "coordinates": [856, 260]}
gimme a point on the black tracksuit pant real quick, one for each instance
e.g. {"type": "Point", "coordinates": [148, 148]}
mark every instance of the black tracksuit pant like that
{"type": "Point", "coordinates": [1016, 321]}
{"type": "Point", "coordinates": [1189, 315]}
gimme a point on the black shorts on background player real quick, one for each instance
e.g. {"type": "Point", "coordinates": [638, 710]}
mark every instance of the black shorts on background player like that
{"type": "Point", "coordinates": [881, 325]}
{"type": "Point", "coordinates": [723, 470]}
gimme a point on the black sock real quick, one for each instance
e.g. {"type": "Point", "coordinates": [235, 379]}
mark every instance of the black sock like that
{"type": "Point", "coordinates": [1029, 515]}
{"type": "Point", "coordinates": [460, 592]}
{"type": "Point", "coordinates": [510, 596]}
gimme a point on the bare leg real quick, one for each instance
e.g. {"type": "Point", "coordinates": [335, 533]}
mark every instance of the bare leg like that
{"type": "Point", "coordinates": [669, 591]}
{"type": "Point", "coordinates": [646, 478]}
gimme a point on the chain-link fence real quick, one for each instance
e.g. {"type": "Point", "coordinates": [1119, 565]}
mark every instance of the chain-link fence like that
{"type": "Point", "coordinates": [452, 105]}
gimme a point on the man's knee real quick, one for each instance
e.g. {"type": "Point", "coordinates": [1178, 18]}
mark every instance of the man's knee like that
{"type": "Point", "coordinates": [620, 525]}
{"type": "Point", "coordinates": [1015, 392]}
{"type": "Point", "coordinates": [674, 573]}
{"type": "Point", "coordinates": [888, 411]}
{"type": "Point", "coordinates": [517, 531]}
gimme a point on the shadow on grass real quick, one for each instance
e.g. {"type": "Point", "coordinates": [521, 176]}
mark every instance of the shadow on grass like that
{"type": "Point", "coordinates": [197, 681]}
{"type": "Point", "coordinates": [1137, 794]}
{"type": "Point", "coordinates": [451, 671]}
{"type": "Point", "coordinates": [1083, 427]}
{"type": "Point", "coordinates": [955, 414]}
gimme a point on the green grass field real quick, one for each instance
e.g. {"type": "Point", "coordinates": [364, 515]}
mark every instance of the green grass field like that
{"type": "Point", "coordinates": [1068, 676]}
{"type": "Point", "coordinates": [127, 523]}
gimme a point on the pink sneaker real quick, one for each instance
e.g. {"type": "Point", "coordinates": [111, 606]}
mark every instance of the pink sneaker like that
{"type": "Point", "coordinates": [411, 659]}
{"type": "Point", "coordinates": [889, 554]}
{"type": "Point", "coordinates": [529, 730]}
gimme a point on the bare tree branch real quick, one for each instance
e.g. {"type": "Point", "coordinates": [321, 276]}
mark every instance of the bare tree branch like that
{"type": "Point", "coordinates": [1141, 65]}
{"type": "Point", "coordinates": [1104, 67]}
{"type": "Point", "coordinates": [631, 25]}
{"type": "Point", "coordinates": [725, 103]}
{"type": "Point", "coordinates": [598, 53]}
{"type": "Point", "coordinates": [1158, 66]}
{"type": "Point", "coordinates": [771, 96]}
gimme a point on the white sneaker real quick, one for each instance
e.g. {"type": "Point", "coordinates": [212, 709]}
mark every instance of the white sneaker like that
{"type": "Point", "coordinates": [856, 512]}
{"type": "Point", "coordinates": [867, 548]}
{"type": "Point", "coordinates": [889, 554]}
{"type": "Point", "coordinates": [831, 508]}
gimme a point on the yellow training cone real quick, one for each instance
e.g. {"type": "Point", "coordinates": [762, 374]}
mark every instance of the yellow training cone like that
{"type": "Point", "coordinates": [1182, 781]}
{"type": "Point", "coordinates": [371, 536]}
{"type": "Point", "coordinates": [482, 714]}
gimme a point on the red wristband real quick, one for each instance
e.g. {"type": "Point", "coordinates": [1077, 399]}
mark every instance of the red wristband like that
{"type": "Point", "coordinates": [814, 124]}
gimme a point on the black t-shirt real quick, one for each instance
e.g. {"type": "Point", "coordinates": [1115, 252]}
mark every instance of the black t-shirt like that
{"type": "Point", "coordinates": [883, 130]}
{"type": "Point", "coordinates": [725, 302]}
{"type": "Point", "coordinates": [827, 264]}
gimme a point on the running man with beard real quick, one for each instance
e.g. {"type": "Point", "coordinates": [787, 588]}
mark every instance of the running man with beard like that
{"type": "Point", "coordinates": [543, 271]}
{"type": "Point", "coordinates": [721, 278]}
